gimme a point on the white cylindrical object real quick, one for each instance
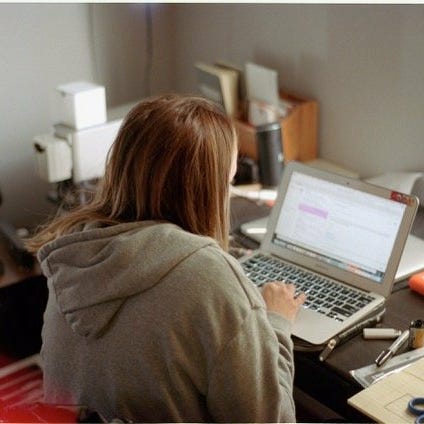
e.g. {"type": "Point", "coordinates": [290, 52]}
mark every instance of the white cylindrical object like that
{"type": "Point", "coordinates": [381, 333]}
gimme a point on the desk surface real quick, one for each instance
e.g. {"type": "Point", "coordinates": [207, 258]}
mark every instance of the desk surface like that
{"type": "Point", "coordinates": [329, 382]}
{"type": "Point", "coordinates": [11, 272]}
{"type": "Point", "coordinates": [402, 307]}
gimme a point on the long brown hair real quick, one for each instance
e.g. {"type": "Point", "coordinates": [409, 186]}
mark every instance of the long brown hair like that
{"type": "Point", "coordinates": [170, 161]}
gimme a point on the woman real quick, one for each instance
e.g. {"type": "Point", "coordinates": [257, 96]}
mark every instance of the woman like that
{"type": "Point", "coordinates": [148, 318]}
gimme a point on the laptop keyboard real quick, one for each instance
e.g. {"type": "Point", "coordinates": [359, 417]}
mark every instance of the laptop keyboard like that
{"type": "Point", "coordinates": [323, 295]}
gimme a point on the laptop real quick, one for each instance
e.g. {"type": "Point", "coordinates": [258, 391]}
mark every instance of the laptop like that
{"type": "Point", "coordinates": [411, 262]}
{"type": "Point", "coordinates": [339, 240]}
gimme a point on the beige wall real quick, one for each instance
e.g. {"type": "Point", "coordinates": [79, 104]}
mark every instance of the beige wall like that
{"type": "Point", "coordinates": [363, 63]}
{"type": "Point", "coordinates": [45, 45]}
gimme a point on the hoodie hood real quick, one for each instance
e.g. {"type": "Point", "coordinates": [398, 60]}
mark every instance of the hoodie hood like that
{"type": "Point", "coordinates": [94, 271]}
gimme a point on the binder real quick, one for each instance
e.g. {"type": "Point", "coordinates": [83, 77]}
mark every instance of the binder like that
{"type": "Point", "coordinates": [220, 84]}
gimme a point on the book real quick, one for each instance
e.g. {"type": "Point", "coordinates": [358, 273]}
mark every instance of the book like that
{"type": "Point", "coordinates": [220, 84]}
{"type": "Point", "coordinates": [241, 83]}
{"type": "Point", "coordinates": [262, 84]}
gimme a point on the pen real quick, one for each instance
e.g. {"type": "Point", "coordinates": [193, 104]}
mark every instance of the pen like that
{"type": "Point", "coordinates": [392, 349]}
{"type": "Point", "coordinates": [347, 334]}
{"type": "Point", "coordinates": [328, 349]}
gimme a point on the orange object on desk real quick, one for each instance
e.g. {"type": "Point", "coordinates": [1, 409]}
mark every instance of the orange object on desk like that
{"type": "Point", "coordinates": [416, 282]}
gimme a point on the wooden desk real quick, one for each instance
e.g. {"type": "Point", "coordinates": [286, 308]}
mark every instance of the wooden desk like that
{"type": "Point", "coordinates": [329, 382]}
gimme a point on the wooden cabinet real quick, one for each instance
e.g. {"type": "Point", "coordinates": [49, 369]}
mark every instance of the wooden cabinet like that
{"type": "Point", "coordinates": [299, 131]}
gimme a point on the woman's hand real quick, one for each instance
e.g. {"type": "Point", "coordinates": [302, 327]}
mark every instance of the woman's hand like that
{"type": "Point", "coordinates": [280, 298]}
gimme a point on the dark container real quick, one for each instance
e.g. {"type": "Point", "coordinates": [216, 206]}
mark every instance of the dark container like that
{"type": "Point", "coordinates": [270, 154]}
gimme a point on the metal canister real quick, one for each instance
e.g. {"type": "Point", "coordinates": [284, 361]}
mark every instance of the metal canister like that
{"type": "Point", "coordinates": [416, 334]}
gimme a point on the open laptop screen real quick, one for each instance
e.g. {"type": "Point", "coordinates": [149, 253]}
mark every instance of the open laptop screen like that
{"type": "Point", "coordinates": [341, 226]}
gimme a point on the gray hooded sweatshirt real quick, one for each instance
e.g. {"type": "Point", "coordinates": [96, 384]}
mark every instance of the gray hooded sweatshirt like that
{"type": "Point", "coordinates": [147, 322]}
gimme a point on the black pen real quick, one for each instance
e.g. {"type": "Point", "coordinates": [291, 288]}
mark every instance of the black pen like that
{"type": "Point", "coordinates": [329, 348]}
{"type": "Point", "coordinates": [392, 349]}
{"type": "Point", "coordinates": [347, 334]}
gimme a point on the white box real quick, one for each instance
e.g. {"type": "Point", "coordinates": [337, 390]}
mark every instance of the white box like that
{"type": "Point", "coordinates": [54, 158]}
{"type": "Point", "coordinates": [81, 104]}
{"type": "Point", "coordinates": [90, 148]}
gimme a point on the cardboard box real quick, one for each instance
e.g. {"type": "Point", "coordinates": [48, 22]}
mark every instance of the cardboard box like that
{"type": "Point", "coordinates": [81, 104]}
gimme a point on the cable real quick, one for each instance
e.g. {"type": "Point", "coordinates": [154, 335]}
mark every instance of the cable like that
{"type": "Point", "coordinates": [93, 43]}
{"type": "Point", "coordinates": [149, 51]}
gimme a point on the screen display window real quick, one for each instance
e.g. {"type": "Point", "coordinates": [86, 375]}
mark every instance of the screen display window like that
{"type": "Point", "coordinates": [338, 225]}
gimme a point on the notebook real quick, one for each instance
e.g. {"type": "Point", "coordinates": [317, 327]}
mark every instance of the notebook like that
{"type": "Point", "coordinates": [338, 238]}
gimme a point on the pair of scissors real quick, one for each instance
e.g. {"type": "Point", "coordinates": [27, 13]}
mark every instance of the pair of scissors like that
{"type": "Point", "coordinates": [416, 406]}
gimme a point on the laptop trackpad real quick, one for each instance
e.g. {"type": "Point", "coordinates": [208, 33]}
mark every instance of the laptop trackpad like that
{"type": "Point", "coordinates": [314, 327]}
